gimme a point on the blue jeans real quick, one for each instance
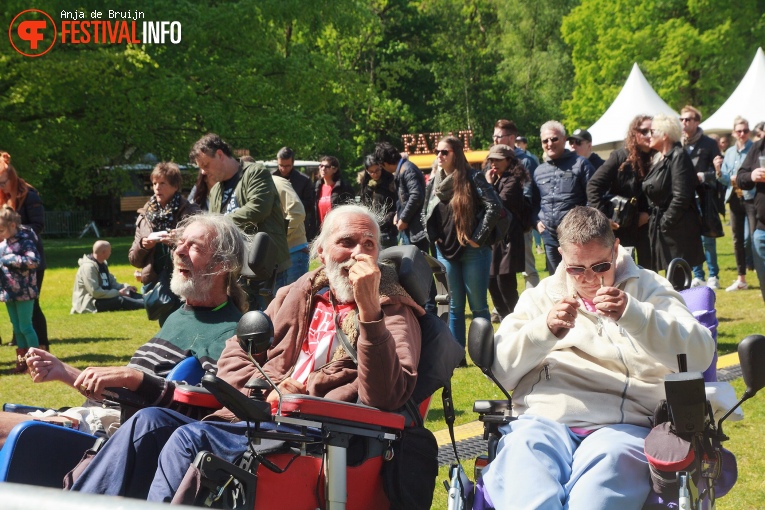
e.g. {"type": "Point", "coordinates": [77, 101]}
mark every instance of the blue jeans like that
{"type": "Point", "coordinates": [543, 464]}
{"type": "Point", "coordinates": [468, 277]}
{"type": "Point", "coordinates": [758, 254]}
{"type": "Point", "coordinates": [710, 252]}
{"type": "Point", "coordinates": [299, 266]}
{"type": "Point", "coordinates": [554, 258]}
{"type": "Point", "coordinates": [155, 448]}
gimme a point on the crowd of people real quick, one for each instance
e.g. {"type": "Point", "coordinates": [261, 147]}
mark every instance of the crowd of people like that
{"type": "Point", "coordinates": [657, 198]}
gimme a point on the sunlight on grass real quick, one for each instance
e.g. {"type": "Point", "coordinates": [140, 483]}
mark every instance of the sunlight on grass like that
{"type": "Point", "coordinates": [111, 338]}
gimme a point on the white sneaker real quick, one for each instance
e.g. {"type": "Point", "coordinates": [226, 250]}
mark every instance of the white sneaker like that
{"type": "Point", "coordinates": [737, 285]}
{"type": "Point", "coordinates": [713, 283]}
{"type": "Point", "coordinates": [698, 282]}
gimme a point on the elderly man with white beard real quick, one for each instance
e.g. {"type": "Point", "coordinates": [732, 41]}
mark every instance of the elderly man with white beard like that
{"type": "Point", "coordinates": [208, 259]}
{"type": "Point", "coordinates": [351, 293]}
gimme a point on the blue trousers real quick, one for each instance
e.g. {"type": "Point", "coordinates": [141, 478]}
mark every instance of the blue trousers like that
{"type": "Point", "coordinates": [299, 266]}
{"type": "Point", "coordinates": [154, 449]}
{"type": "Point", "coordinates": [554, 258]}
{"type": "Point", "coordinates": [468, 278]}
{"type": "Point", "coordinates": [541, 464]}
{"type": "Point", "coordinates": [758, 254]}
{"type": "Point", "coordinates": [710, 252]}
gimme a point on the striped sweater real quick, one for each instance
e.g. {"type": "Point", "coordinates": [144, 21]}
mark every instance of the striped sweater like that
{"type": "Point", "coordinates": [198, 332]}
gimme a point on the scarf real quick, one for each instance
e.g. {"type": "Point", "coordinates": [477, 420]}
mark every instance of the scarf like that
{"type": "Point", "coordinates": [163, 218]}
{"type": "Point", "coordinates": [389, 287]}
{"type": "Point", "coordinates": [692, 140]}
{"type": "Point", "coordinates": [444, 185]}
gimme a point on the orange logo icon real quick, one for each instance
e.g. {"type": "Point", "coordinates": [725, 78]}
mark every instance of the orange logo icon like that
{"type": "Point", "coordinates": [30, 32]}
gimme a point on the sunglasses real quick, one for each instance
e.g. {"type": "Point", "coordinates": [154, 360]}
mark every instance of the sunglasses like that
{"type": "Point", "coordinates": [742, 131]}
{"type": "Point", "coordinates": [600, 267]}
{"type": "Point", "coordinates": [554, 139]}
{"type": "Point", "coordinates": [322, 165]}
{"type": "Point", "coordinates": [443, 152]}
{"type": "Point", "coordinates": [644, 131]}
{"type": "Point", "coordinates": [686, 119]}
{"type": "Point", "coordinates": [574, 141]}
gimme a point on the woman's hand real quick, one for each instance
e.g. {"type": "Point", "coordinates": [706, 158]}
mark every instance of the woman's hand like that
{"type": "Point", "coordinates": [562, 317]}
{"type": "Point", "coordinates": [610, 302]}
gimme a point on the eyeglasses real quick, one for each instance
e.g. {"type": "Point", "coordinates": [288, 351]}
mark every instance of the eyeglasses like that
{"type": "Point", "coordinates": [644, 131]}
{"type": "Point", "coordinates": [443, 152]}
{"type": "Point", "coordinates": [499, 137]}
{"type": "Point", "coordinates": [742, 131]}
{"type": "Point", "coordinates": [322, 165]}
{"type": "Point", "coordinates": [554, 139]}
{"type": "Point", "coordinates": [600, 267]}
{"type": "Point", "coordinates": [687, 119]}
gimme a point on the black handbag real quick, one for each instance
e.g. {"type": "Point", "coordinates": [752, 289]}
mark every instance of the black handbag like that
{"type": "Point", "coordinates": [158, 299]}
{"type": "Point", "coordinates": [623, 210]}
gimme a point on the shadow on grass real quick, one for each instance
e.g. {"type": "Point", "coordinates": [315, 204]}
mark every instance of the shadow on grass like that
{"type": "Point", "coordinates": [437, 415]}
{"type": "Point", "coordinates": [87, 340]}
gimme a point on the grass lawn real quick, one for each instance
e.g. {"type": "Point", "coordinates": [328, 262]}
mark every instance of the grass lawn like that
{"type": "Point", "coordinates": [111, 338]}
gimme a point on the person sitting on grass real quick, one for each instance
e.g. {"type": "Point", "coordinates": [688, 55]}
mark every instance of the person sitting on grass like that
{"type": "Point", "coordinates": [97, 290]}
{"type": "Point", "coordinates": [207, 260]}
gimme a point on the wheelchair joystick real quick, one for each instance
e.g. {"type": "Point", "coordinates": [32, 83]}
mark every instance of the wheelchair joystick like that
{"type": "Point", "coordinates": [259, 388]}
{"type": "Point", "coordinates": [256, 334]}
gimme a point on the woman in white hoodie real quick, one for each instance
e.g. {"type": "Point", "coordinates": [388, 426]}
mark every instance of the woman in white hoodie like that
{"type": "Point", "coordinates": [585, 354]}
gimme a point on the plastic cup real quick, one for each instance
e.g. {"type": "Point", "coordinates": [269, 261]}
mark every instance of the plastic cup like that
{"type": "Point", "coordinates": [762, 161]}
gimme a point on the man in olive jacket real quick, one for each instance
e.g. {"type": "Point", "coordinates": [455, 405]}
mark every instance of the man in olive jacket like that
{"type": "Point", "coordinates": [245, 192]}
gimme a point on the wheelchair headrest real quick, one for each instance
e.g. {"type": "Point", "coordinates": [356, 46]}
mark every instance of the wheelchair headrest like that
{"type": "Point", "coordinates": [679, 274]}
{"type": "Point", "coordinates": [260, 260]}
{"type": "Point", "coordinates": [414, 272]}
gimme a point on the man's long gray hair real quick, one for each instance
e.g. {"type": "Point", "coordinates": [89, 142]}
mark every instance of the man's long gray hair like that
{"type": "Point", "coordinates": [582, 225]}
{"type": "Point", "coordinates": [228, 245]}
{"type": "Point", "coordinates": [336, 215]}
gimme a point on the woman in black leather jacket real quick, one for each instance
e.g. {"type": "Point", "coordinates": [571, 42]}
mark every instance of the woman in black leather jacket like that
{"type": "Point", "coordinates": [623, 175]}
{"type": "Point", "coordinates": [460, 212]}
{"type": "Point", "coordinates": [378, 191]}
{"type": "Point", "coordinates": [675, 224]}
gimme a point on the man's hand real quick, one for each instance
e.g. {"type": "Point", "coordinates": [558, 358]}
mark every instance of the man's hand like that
{"type": "Point", "coordinates": [643, 218]}
{"type": "Point", "coordinates": [610, 302]}
{"type": "Point", "coordinates": [44, 366]}
{"type": "Point", "coordinates": [365, 278]}
{"type": "Point", "coordinates": [125, 291]}
{"type": "Point", "coordinates": [614, 225]}
{"type": "Point", "coordinates": [402, 225]}
{"type": "Point", "coordinates": [540, 227]}
{"type": "Point", "coordinates": [561, 317]}
{"type": "Point", "coordinates": [93, 380]}
{"type": "Point", "coordinates": [289, 385]}
{"type": "Point", "coordinates": [148, 244]}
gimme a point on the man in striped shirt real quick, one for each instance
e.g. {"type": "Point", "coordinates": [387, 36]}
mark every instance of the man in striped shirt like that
{"type": "Point", "coordinates": [207, 261]}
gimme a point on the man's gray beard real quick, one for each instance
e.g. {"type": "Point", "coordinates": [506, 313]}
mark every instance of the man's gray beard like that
{"type": "Point", "coordinates": [197, 287]}
{"type": "Point", "coordinates": [339, 283]}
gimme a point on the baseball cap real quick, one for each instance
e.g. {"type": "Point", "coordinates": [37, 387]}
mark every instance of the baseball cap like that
{"type": "Point", "coordinates": [521, 139]}
{"type": "Point", "coordinates": [500, 151]}
{"type": "Point", "coordinates": [581, 134]}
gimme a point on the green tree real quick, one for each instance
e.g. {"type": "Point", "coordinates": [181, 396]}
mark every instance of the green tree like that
{"type": "Point", "coordinates": [691, 51]}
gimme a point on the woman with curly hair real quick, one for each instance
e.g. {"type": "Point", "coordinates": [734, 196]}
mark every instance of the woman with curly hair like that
{"type": "Point", "coordinates": [24, 199]}
{"type": "Point", "coordinates": [460, 212]}
{"type": "Point", "coordinates": [622, 175]}
{"type": "Point", "coordinates": [153, 237]}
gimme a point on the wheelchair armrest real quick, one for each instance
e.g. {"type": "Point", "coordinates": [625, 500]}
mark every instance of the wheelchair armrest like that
{"type": "Point", "coordinates": [491, 407]}
{"type": "Point", "coordinates": [335, 411]}
{"type": "Point", "coordinates": [195, 396]}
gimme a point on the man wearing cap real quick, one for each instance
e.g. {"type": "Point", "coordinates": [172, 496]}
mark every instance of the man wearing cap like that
{"type": "Point", "coordinates": [581, 141]}
{"type": "Point", "coordinates": [522, 144]}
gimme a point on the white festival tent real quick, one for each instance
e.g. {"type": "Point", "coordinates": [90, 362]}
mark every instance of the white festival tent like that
{"type": "Point", "coordinates": [636, 97]}
{"type": "Point", "coordinates": [747, 100]}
